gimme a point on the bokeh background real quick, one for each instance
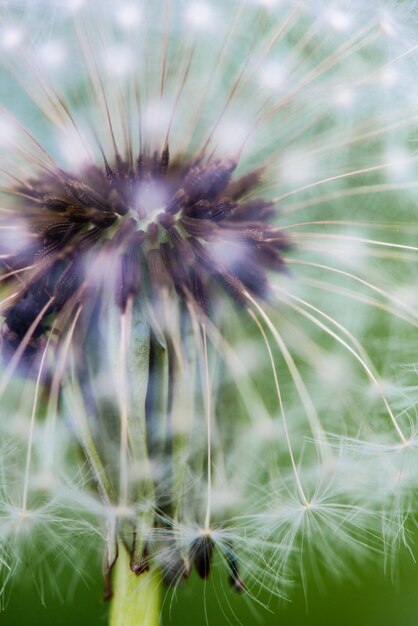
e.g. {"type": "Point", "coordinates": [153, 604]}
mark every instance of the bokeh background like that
{"type": "Point", "coordinates": [373, 596]}
{"type": "Point", "coordinates": [367, 598]}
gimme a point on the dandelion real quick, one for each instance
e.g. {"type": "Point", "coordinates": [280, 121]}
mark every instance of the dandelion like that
{"type": "Point", "coordinates": [207, 255]}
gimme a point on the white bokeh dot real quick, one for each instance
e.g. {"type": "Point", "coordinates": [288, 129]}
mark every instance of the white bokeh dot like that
{"type": "Point", "coordinates": [11, 37]}
{"type": "Point", "coordinates": [199, 14]}
{"type": "Point", "coordinates": [52, 54]}
{"type": "Point", "coordinates": [119, 60]}
{"type": "Point", "coordinates": [8, 131]}
{"type": "Point", "coordinates": [344, 97]}
{"type": "Point", "coordinates": [128, 16]}
{"type": "Point", "coordinates": [389, 76]}
{"type": "Point", "coordinates": [339, 20]}
{"type": "Point", "coordinates": [272, 75]}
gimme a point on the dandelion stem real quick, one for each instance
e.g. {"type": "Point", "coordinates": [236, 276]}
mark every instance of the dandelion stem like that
{"type": "Point", "coordinates": [136, 599]}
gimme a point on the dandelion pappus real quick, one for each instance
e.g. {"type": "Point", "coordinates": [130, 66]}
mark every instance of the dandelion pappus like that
{"type": "Point", "coordinates": [193, 367]}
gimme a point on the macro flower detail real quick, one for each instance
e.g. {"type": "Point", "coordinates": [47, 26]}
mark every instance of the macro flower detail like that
{"type": "Point", "coordinates": [159, 230]}
{"type": "Point", "coordinates": [182, 226]}
{"type": "Point", "coordinates": [208, 320]}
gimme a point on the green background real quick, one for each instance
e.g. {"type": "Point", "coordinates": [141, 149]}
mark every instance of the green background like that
{"type": "Point", "coordinates": [368, 598]}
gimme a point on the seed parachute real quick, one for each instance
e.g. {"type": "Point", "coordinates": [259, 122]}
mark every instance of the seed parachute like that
{"type": "Point", "coordinates": [208, 319]}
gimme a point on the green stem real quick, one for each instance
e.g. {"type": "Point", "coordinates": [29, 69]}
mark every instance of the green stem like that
{"type": "Point", "coordinates": [136, 599]}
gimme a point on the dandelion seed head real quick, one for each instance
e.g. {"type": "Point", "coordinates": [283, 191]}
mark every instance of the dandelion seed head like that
{"type": "Point", "coordinates": [137, 212]}
{"type": "Point", "coordinates": [205, 283]}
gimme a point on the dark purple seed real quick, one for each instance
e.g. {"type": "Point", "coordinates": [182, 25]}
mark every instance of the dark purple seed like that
{"type": "Point", "coordinates": [54, 203]}
{"type": "Point", "coordinates": [129, 277]}
{"type": "Point", "coordinates": [199, 210]}
{"type": "Point", "coordinates": [258, 210]}
{"type": "Point", "coordinates": [235, 579]}
{"type": "Point", "coordinates": [244, 184]}
{"type": "Point", "coordinates": [177, 202]}
{"type": "Point", "coordinates": [80, 192]}
{"type": "Point", "coordinates": [222, 210]}
{"type": "Point", "coordinates": [124, 232]}
{"type": "Point", "coordinates": [159, 277]}
{"type": "Point", "coordinates": [201, 555]}
{"type": "Point", "coordinates": [60, 233]}
{"type": "Point", "coordinates": [165, 160]}
{"type": "Point", "coordinates": [198, 227]}
{"type": "Point", "coordinates": [166, 220]}
{"type": "Point", "coordinates": [207, 182]}
{"type": "Point", "coordinates": [117, 203]}
{"type": "Point", "coordinates": [174, 570]}
{"type": "Point", "coordinates": [198, 289]}
{"type": "Point", "coordinates": [68, 283]}
{"type": "Point", "coordinates": [152, 232]}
